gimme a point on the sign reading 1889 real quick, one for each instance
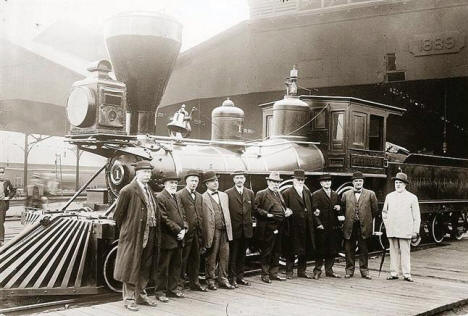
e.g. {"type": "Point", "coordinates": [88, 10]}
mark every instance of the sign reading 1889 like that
{"type": "Point", "coordinates": [437, 43]}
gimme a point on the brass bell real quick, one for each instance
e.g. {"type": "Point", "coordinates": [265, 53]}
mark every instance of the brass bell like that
{"type": "Point", "coordinates": [180, 122]}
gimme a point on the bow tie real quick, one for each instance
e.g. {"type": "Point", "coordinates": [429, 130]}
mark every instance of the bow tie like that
{"type": "Point", "coordinates": [192, 192]}
{"type": "Point", "coordinates": [215, 192]}
{"type": "Point", "coordinates": [357, 191]}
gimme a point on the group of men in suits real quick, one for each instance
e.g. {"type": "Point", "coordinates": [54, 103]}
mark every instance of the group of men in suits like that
{"type": "Point", "coordinates": [163, 236]}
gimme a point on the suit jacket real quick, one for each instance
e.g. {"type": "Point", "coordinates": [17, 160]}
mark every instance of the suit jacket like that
{"type": "Point", "coordinates": [193, 210]}
{"type": "Point", "coordinates": [130, 216]}
{"type": "Point", "coordinates": [368, 209]}
{"type": "Point", "coordinates": [9, 191]}
{"type": "Point", "coordinates": [172, 220]}
{"type": "Point", "coordinates": [328, 216]}
{"type": "Point", "coordinates": [301, 219]}
{"type": "Point", "coordinates": [267, 203]}
{"type": "Point", "coordinates": [240, 208]}
{"type": "Point", "coordinates": [209, 217]}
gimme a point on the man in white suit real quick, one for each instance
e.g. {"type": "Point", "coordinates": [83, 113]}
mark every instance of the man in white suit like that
{"type": "Point", "coordinates": [402, 219]}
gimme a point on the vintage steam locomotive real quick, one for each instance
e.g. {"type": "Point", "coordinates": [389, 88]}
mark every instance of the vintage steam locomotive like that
{"type": "Point", "coordinates": [72, 252]}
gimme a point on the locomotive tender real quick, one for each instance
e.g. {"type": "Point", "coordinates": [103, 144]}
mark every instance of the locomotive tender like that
{"type": "Point", "coordinates": [72, 252]}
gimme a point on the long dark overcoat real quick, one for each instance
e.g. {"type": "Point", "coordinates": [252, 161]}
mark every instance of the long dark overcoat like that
{"type": "Point", "coordinates": [368, 208]}
{"type": "Point", "coordinates": [193, 210]}
{"type": "Point", "coordinates": [266, 203]}
{"type": "Point", "coordinates": [240, 208]}
{"type": "Point", "coordinates": [172, 220]}
{"type": "Point", "coordinates": [328, 239]}
{"type": "Point", "coordinates": [130, 216]}
{"type": "Point", "coordinates": [302, 221]}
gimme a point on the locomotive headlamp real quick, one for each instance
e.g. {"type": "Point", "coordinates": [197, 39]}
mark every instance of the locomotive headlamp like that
{"type": "Point", "coordinates": [81, 107]}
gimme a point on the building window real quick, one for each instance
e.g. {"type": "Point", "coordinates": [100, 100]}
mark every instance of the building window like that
{"type": "Point", "coordinates": [359, 128]}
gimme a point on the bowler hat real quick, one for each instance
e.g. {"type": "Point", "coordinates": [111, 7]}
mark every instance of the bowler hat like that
{"type": "Point", "coordinates": [192, 172]}
{"type": "Point", "coordinates": [239, 173]}
{"type": "Point", "coordinates": [274, 176]}
{"type": "Point", "coordinates": [325, 177]}
{"type": "Point", "coordinates": [209, 176]}
{"type": "Point", "coordinates": [170, 175]}
{"type": "Point", "coordinates": [401, 176]}
{"type": "Point", "coordinates": [299, 174]}
{"type": "Point", "coordinates": [358, 175]}
{"type": "Point", "coordinates": [143, 164]}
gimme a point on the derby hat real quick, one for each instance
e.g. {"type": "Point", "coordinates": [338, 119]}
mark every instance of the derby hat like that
{"type": "Point", "coordinates": [402, 177]}
{"type": "Point", "coordinates": [274, 176]}
{"type": "Point", "coordinates": [239, 173]}
{"type": "Point", "coordinates": [143, 164]}
{"type": "Point", "coordinates": [325, 177]}
{"type": "Point", "coordinates": [209, 176]}
{"type": "Point", "coordinates": [170, 175]}
{"type": "Point", "coordinates": [358, 175]}
{"type": "Point", "coordinates": [299, 174]}
{"type": "Point", "coordinates": [192, 172]}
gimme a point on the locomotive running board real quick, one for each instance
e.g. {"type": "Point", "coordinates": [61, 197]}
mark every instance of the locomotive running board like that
{"type": "Point", "coordinates": [51, 258]}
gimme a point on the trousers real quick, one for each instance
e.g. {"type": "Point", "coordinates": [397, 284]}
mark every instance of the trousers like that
{"type": "Point", "coordinates": [191, 260]}
{"type": "Point", "coordinates": [350, 249]}
{"type": "Point", "coordinates": [170, 263]}
{"type": "Point", "coordinates": [3, 210]}
{"type": "Point", "coordinates": [400, 256]}
{"type": "Point", "coordinates": [219, 252]}
{"type": "Point", "coordinates": [237, 248]}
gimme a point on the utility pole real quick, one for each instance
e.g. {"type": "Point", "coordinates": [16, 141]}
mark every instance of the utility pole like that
{"type": "Point", "coordinates": [27, 149]}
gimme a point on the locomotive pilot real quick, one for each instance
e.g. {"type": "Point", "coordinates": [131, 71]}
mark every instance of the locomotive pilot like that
{"type": "Point", "coordinates": [137, 217]}
{"type": "Point", "coordinates": [241, 203]}
{"type": "Point", "coordinates": [402, 219]}
{"type": "Point", "coordinates": [360, 208]}
{"type": "Point", "coordinates": [270, 211]}
{"type": "Point", "coordinates": [325, 204]}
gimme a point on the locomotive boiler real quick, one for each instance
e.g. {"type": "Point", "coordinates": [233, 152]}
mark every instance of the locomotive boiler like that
{"type": "Point", "coordinates": [72, 252]}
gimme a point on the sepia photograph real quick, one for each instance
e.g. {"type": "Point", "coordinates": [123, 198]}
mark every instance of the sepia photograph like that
{"type": "Point", "coordinates": [233, 157]}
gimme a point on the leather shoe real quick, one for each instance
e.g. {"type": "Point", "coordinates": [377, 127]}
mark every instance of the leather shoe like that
{"type": "Point", "coordinates": [234, 283]}
{"type": "Point", "coordinates": [177, 294]}
{"type": "Point", "coordinates": [226, 285]}
{"type": "Point", "coordinates": [333, 275]}
{"type": "Point", "coordinates": [146, 301]}
{"type": "Point", "coordinates": [392, 277]}
{"type": "Point", "coordinates": [243, 282]}
{"type": "Point", "coordinates": [317, 275]}
{"type": "Point", "coordinates": [367, 277]}
{"type": "Point", "coordinates": [289, 275]}
{"type": "Point", "coordinates": [198, 287]}
{"type": "Point", "coordinates": [266, 279]}
{"type": "Point", "coordinates": [162, 298]}
{"type": "Point", "coordinates": [277, 278]}
{"type": "Point", "coordinates": [212, 287]}
{"type": "Point", "coordinates": [348, 276]}
{"type": "Point", "coordinates": [132, 307]}
{"type": "Point", "coordinates": [409, 279]}
{"type": "Point", "coordinates": [304, 275]}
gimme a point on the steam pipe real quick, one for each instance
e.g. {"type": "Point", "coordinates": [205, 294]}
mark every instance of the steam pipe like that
{"type": "Point", "coordinates": [82, 188]}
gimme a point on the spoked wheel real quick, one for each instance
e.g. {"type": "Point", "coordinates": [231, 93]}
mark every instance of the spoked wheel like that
{"type": "Point", "coordinates": [415, 242]}
{"type": "Point", "coordinates": [108, 271]}
{"type": "Point", "coordinates": [459, 225]}
{"type": "Point", "coordinates": [439, 227]}
{"type": "Point", "coordinates": [383, 240]}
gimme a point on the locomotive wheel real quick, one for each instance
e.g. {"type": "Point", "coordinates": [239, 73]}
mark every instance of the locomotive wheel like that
{"type": "Point", "coordinates": [438, 228]}
{"type": "Point", "coordinates": [459, 225]}
{"type": "Point", "coordinates": [383, 240]}
{"type": "Point", "coordinates": [108, 271]}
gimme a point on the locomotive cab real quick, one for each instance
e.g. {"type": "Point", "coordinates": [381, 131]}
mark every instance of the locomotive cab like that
{"type": "Point", "coordinates": [350, 132]}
